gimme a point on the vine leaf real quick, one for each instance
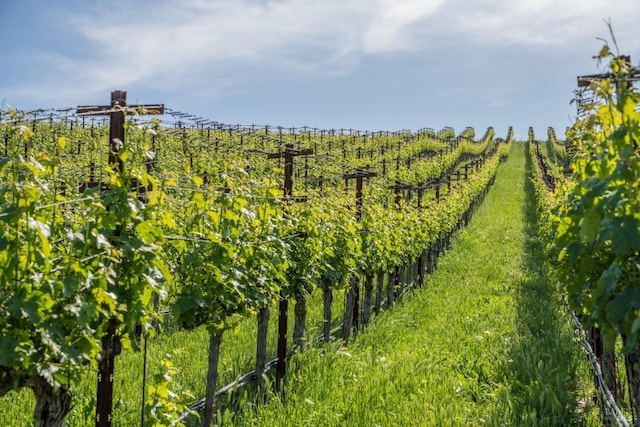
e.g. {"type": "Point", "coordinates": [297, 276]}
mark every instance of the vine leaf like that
{"type": "Point", "coordinates": [589, 228]}
{"type": "Point", "coordinates": [9, 356]}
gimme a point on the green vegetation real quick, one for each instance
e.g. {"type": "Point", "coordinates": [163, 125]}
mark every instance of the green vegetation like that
{"type": "Point", "coordinates": [592, 221]}
{"type": "Point", "coordinates": [486, 341]}
{"type": "Point", "coordinates": [195, 222]}
{"type": "Point", "coordinates": [171, 247]}
{"type": "Point", "coordinates": [207, 236]}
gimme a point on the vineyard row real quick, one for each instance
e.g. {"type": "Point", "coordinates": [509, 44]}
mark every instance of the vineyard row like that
{"type": "Point", "coordinates": [86, 273]}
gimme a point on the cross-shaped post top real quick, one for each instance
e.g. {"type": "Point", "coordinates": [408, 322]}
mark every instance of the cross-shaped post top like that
{"type": "Point", "coordinates": [634, 75]}
{"type": "Point", "coordinates": [359, 175]}
{"type": "Point", "coordinates": [116, 111]}
{"type": "Point", "coordinates": [289, 150]}
{"type": "Point", "coordinates": [119, 104]}
{"type": "Point", "coordinates": [289, 153]}
{"type": "Point", "coordinates": [397, 189]}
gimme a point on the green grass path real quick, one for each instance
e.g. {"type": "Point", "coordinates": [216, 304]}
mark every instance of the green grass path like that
{"type": "Point", "coordinates": [484, 342]}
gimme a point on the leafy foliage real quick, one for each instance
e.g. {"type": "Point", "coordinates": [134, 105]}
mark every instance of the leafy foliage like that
{"type": "Point", "coordinates": [68, 269]}
{"type": "Point", "coordinates": [598, 225]}
{"type": "Point", "coordinates": [195, 223]}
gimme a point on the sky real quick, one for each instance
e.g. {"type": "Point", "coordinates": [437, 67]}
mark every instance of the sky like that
{"type": "Point", "coordinates": [331, 64]}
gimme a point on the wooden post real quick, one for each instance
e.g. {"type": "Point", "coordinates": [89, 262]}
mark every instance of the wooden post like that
{"type": "Point", "coordinates": [288, 155]}
{"type": "Point", "coordinates": [397, 191]}
{"type": "Point", "coordinates": [352, 309]}
{"type": "Point", "coordinates": [111, 342]}
{"type": "Point", "coordinates": [359, 175]}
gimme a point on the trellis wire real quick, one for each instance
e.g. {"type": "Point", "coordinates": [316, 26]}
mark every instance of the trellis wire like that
{"type": "Point", "coordinates": [609, 402]}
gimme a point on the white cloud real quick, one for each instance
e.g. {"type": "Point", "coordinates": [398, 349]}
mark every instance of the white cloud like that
{"type": "Point", "coordinates": [183, 33]}
{"type": "Point", "coordinates": [391, 27]}
{"type": "Point", "coordinates": [535, 23]}
{"type": "Point", "coordinates": [170, 37]}
{"type": "Point", "coordinates": [173, 43]}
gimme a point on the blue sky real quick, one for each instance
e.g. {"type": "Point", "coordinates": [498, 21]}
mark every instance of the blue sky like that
{"type": "Point", "coordinates": [362, 64]}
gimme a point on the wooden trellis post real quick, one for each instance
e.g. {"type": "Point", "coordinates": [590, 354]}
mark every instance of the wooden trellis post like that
{"type": "Point", "coordinates": [288, 154]}
{"type": "Point", "coordinates": [352, 309]}
{"type": "Point", "coordinates": [359, 176]}
{"type": "Point", "coordinates": [110, 342]}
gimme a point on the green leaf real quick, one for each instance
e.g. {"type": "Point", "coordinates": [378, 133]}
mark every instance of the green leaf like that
{"type": "Point", "coordinates": [608, 280]}
{"type": "Point", "coordinates": [625, 235]}
{"type": "Point", "coordinates": [33, 307]}
{"type": "Point", "coordinates": [187, 307]}
{"type": "Point", "coordinates": [589, 227]}
{"type": "Point", "coordinates": [635, 326]}
{"type": "Point", "coordinates": [105, 299]}
{"type": "Point", "coordinates": [9, 356]}
{"type": "Point", "coordinates": [147, 232]}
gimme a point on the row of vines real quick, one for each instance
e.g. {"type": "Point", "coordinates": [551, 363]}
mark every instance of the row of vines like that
{"type": "Point", "coordinates": [592, 220]}
{"type": "Point", "coordinates": [103, 241]}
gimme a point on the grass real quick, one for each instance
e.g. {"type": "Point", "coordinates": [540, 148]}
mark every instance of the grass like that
{"type": "Point", "coordinates": [486, 341]}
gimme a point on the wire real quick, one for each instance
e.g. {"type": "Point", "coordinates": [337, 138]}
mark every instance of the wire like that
{"type": "Point", "coordinates": [607, 396]}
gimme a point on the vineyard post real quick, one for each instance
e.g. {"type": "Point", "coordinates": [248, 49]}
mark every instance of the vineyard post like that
{"type": "Point", "coordinates": [351, 309]}
{"type": "Point", "coordinates": [110, 342]}
{"type": "Point", "coordinates": [397, 191]}
{"type": "Point", "coordinates": [359, 175]}
{"type": "Point", "coordinates": [420, 190]}
{"type": "Point", "coordinates": [104, 396]}
{"type": "Point", "coordinates": [398, 195]}
{"type": "Point", "coordinates": [282, 320]}
{"type": "Point", "coordinates": [423, 255]}
{"type": "Point", "coordinates": [289, 154]}
{"type": "Point", "coordinates": [320, 180]}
